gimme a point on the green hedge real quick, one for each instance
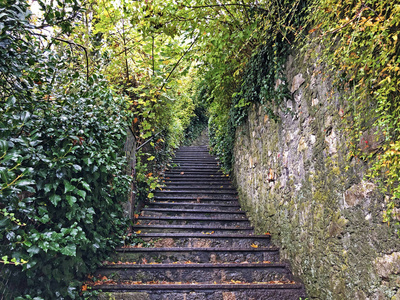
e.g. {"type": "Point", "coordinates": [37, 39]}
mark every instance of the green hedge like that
{"type": "Point", "coordinates": [62, 172]}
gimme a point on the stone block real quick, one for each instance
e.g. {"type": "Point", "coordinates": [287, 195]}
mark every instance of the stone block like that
{"type": "Point", "coordinates": [388, 265]}
{"type": "Point", "coordinates": [371, 141]}
{"type": "Point", "coordinates": [298, 80]}
{"type": "Point", "coordinates": [358, 193]}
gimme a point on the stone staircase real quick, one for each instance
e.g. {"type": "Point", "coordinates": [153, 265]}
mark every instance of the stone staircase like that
{"type": "Point", "coordinates": [197, 244]}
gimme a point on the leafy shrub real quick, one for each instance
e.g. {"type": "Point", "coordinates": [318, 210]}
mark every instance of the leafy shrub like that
{"type": "Point", "coordinates": [61, 167]}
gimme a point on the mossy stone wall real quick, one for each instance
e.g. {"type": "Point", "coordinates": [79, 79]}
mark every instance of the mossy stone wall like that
{"type": "Point", "coordinates": [325, 217]}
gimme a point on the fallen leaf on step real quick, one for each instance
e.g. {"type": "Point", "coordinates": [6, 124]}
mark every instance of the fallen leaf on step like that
{"type": "Point", "coordinates": [254, 245]}
{"type": "Point", "coordinates": [235, 281]}
{"type": "Point", "coordinates": [138, 232]}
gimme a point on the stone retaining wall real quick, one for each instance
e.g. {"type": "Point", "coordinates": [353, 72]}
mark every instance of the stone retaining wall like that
{"type": "Point", "coordinates": [296, 181]}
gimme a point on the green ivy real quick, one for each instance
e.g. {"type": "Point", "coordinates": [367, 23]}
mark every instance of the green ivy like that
{"type": "Point", "coordinates": [362, 44]}
{"type": "Point", "coordinates": [258, 80]}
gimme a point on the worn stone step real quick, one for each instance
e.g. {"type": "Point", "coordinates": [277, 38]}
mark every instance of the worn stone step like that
{"type": "Point", "coordinates": [189, 291]}
{"type": "Point", "coordinates": [192, 150]}
{"type": "Point", "coordinates": [198, 189]}
{"type": "Point", "coordinates": [195, 167]}
{"type": "Point", "coordinates": [201, 273]}
{"type": "Point", "coordinates": [197, 156]}
{"type": "Point", "coordinates": [186, 176]}
{"type": "Point", "coordinates": [192, 214]}
{"type": "Point", "coordinates": [197, 186]}
{"type": "Point", "coordinates": [214, 172]}
{"type": "Point", "coordinates": [208, 184]}
{"type": "Point", "coordinates": [197, 193]}
{"type": "Point", "coordinates": [205, 181]}
{"type": "Point", "coordinates": [214, 212]}
{"type": "Point", "coordinates": [199, 199]}
{"type": "Point", "coordinates": [192, 220]}
{"type": "Point", "coordinates": [196, 255]}
{"type": "Point", "coordinates": [193, 228]}
{"type": "Point", "coordinates": [204, 240]}
{"type": "Point", "coordinates": [177, 200]}
{"type": "Point", "coordinates": [195, 163]}
{"type": "Point", "coordinates": [196, 206]}
{"type": "Point", "coordinates": [189, 153]}
{"type": "Point", "coordinates": [198, 196]}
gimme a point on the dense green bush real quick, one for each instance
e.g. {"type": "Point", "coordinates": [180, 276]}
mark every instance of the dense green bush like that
{"type": "Point", "coordinates": [61, 167]}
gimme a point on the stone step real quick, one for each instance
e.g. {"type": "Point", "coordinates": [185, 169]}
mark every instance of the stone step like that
{"type": "Point", "coordinates": [185, 150]}
{"type": "Point", "coordinates": [205, 181]}
{"type": "Point", "coordinates": [197, 193]}
{"type": "Point", "coordinates": [192, 220]}
{"type": "Point", "coordinates": [186, 176]}
{"type": "Point", "coordinates": [215, 213]}
{"type": "Point", "coordinates": [199, 273]}
{"type": "Point", "coordinates": [199, 199]}
{"type": "Point", "coordinates": [197, 186]}
{"type": "Point", "coordinates": [196, 255]}
{"type": "Point", "coordinates": [193, 229]}
{"type": "Point", "coordinates": [193, 162]}
{"type": "Point", "coordinates": [215, 172]}
{"type": "Point", "coordinates": [189, 291]}
{"type": "Point", "coordinates": [197, 166]}
{"type": "Point", "coordinates": [198, 189]}
{"type": "Point", "coordinates": [194, 206]}
{"type": "Point", "coordinates": [204, 240]}
{"type": "Point", "coordinates": [197, 156]}
{"type": "Point", "coordinates": [209, 183]}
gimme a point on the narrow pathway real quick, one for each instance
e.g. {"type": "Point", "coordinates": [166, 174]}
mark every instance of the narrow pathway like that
{"type": "Point", "coordinates": [202, 245]}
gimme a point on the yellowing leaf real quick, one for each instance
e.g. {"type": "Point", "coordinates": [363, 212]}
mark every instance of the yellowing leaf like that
{"type": "Point", "coordinates": [254, 245]}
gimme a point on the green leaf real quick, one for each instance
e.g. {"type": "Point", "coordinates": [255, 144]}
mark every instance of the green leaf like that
{"type": "Point", "coordinates": [69, 250]}
{"type": "Point", "coordinates": [33, 250]}
{"type": "Point", "coordinates": [86, 186]}
{"type": "Point", "coordinates": [54, 199]}
{"type": "Point", "coordinates": [24, 182]}
{"type": "Point", "coordinates": [77, 168]}
{"type": "Point", "coordinates": [48, 187]}
{"type": "Point", "coordinates": [81, 193]}
{"type": "Point", "coordinates": [71, 199]}
{"type": "Point", "coordinates": [68, 187]}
